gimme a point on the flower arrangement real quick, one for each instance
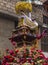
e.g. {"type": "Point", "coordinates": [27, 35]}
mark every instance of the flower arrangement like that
{"type": "Point", "coordinates": [26, 56]}
{"type": "Point", "coordinates": [23, 6]}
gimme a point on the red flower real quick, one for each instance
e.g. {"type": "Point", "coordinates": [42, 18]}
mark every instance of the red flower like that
{"type": "Point", "coordinates": [11, 39]}
{"type": "Point", "coordinates": [16, 51]}
{"type": "Point", "coordinates": [39, 50]}
{"type": "Point", "coordinates": [39, 36]}
{"type": "Point", "coordinates": [7, 63]}
{"type": "Point", "coordinates": [7, 49]}
{"type": "Point", "coordinates": [11, 59]}
{"type": "Point", "coordinates": [13, 43]}
{"type": "Point", "coordinates": [32, 49]}
{"type": "Point", "coordinates": [41, 56]}
{"type": "Point", "coordinates": [11, 52]}
{"type": "Point", "coordinates": [8, 56]}
{"type": "Point", "coordinates": [46, 59]}
{"type": "Point", "coordinates": [14, 55]}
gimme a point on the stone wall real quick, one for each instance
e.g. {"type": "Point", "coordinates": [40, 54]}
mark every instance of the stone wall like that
{"type": "Point", "coordinates": [6, 26]}
{"type": "Point", "coordinates": [8, 5]}
{"type": "Point", "coordinates": [37, 13]}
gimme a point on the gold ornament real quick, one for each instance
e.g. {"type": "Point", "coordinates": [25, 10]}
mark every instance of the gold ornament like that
{"type": "Point", "coordinates": [23, 7]}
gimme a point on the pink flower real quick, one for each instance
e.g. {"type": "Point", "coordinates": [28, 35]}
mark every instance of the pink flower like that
{"type": "Point", "coordinates": [11, 52]}
{"type": "Point", "coordinates": [46, 59]}
{"type": "Point", "coordinates": [13, 43]}
{"type": "Point", "coordinates": [45, 64]}
{"type": "Point", "coordinates": [7, 63]}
